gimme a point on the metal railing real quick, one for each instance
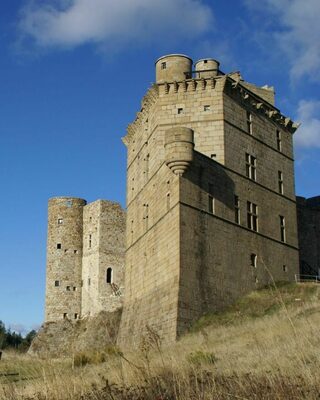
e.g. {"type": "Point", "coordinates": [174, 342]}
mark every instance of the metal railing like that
{"type": "Point", "coordinates": [307, 278]}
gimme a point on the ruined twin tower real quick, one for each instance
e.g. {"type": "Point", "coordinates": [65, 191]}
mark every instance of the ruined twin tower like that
{"type": "Point", "coordinates": [211, 208]}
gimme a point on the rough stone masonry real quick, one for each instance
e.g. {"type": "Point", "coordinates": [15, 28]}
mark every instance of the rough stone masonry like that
{"type": "Point", "coordinates": [211, 209]}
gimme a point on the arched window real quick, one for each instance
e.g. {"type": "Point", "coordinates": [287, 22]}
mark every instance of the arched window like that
{"type": "Point", "coordinates": [109, 275]}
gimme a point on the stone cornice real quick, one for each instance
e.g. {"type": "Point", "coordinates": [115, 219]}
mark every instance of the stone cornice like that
{"type": "Point", "coordinates": [262, 106]}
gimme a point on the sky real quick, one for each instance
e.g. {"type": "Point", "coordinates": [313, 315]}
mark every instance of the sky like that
{"type": "Point", "coordinates": [72, 76]}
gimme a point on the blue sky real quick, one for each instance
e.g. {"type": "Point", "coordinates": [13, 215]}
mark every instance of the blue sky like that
{"type": "Point", "coordinates": [72, 74]}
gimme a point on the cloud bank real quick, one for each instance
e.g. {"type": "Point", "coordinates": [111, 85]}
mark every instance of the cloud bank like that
{"type": "Point", "coordinates": [70, 23]}
{"type": "Point", "coordinates": [294, 26]}
{"type": "Point", "coordinates": [308, 135]}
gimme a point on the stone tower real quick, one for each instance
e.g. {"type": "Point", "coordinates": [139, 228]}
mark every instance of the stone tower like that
{"type": "Point", "coordinates": [211, 209]}
{"type": "Point", "coordinates": [64, 258]}
{"type": "Point", "coordinates": [85, 258]}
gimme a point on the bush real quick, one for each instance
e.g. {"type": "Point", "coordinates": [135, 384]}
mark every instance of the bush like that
{"type": "Point", "coordinates": [200, 357]}
{"type": "Point", "coordinates": [95, 356]}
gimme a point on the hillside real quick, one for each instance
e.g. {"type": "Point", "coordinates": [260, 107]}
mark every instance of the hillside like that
{"type": "Point", "coordinates": [264, 347]}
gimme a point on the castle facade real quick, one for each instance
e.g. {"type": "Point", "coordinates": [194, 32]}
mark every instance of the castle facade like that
{"type": "Point", "coordinates": [211, 209]}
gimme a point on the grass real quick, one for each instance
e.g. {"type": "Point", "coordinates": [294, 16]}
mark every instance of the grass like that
{"type": "Point", "coordinates": [263, 347]}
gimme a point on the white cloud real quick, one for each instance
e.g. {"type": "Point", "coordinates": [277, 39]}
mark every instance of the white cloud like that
{"type": "Point", "coordinates": [295, 27]}
{"type": "Point", "coordinates": [69, 23]}
{"type": "Point", "coordinates": [308, 135]}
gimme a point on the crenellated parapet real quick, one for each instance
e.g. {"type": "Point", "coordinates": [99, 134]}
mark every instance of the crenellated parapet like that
{"type": "Point", "coordinates": [147, 103]}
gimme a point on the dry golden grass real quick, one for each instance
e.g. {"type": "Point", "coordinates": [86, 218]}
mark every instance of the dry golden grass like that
{"type": "Point", "coordinates": [264, 347]}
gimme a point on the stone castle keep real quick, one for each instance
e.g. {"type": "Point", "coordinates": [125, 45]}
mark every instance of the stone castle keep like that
{"type": "Point", "coordinates": [211, 209]}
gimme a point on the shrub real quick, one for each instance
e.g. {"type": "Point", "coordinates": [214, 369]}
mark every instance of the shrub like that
{"type": "Point", "coordinates": [200, 357]}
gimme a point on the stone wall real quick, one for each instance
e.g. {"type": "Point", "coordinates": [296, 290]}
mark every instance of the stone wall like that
{"type": "Point", "coordinates": [186, 255]}
{"type": "Point", "coordinates": [104, 247]}
{"type": "Point", "coordinates": [309, 234]}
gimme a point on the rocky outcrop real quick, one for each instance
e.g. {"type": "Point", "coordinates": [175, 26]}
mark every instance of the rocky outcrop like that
{"type": "Point", "coordinates": [65, 338]}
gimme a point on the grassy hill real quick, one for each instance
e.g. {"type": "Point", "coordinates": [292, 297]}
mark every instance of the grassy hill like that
{"type": "Point", "coordinates": [266, 346]}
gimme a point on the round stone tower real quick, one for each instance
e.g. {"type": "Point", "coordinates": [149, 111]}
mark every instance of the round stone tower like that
{"type": "Point", "coordinates": [173, 68]}
{"type": "Point", "coordinates": [179, 145]}
{"type": "Point", "coordinates": [64, 258]}
{"type": "Point", "coordinates": [207, 68]}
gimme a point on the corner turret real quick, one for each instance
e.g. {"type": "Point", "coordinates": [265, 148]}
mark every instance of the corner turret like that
{"type": "Point", "coordinates": [173, 68]}
{"type": "Point", "coordinates": [179, 145]}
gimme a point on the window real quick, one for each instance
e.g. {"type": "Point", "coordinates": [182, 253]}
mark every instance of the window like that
{"type": "Point", "coordinates": [89, 281]}
{"type": "Point", "coordinates": [282, 228]}
{"type": "Point", "coordinates": [74, 288]}
{"type": "Point", "coordinates": [213, 155]}
{"type": "Point", "coordinates": [284, 268]}
{"type": "Point", "coordinates": [69, 203]}
{"type": "Point", "coordinates": [168, 201]}
{"type": "Point", "coordinates": [75, 251]}
{"type": "Point", "coordinates": [236, 210]}
{"type": "Point", "coordinates": [56, 283]}
{"type": "Point", "coordinates": [252, 216]}
{"type": "Point", "coordinates": [76, 316]}
{"type": "Point", "coordinates": [180, 110]}
{"type": "Point", "coordinates": [210, 204]}
{"type": "Point", "coordinates": [249, 122]}
{"type": "Point", "coordinates": [59, 246]}
{"type": "Point", "coordinates": [90, 241]}
{"type": "Point", "coordinates": [109, 275]}
{"type": "Point", "coordinates": [206, 108]}
{"type": "Point", "coordinates": [251, 164]}
{"type": "Point", "coordinates": [68, 288]}
{"type": "Point", "coordinates": [253, 260]}
{"type": "Point", "coordinates": [60, 221]}
{"type": "Point", "coordinates": [65, 315]}
{"type": "Point", "coordinates": [280, 182]}
{"type": "Point", "coordinates": [163, 65]}
{"type": "Point", "coordinates": [279, 142]}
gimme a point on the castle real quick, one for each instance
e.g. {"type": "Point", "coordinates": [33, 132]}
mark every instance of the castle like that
{"type": "Point", "coordinates": [211, 208]}
{"type": "Point", "coordinates": [85, 258]}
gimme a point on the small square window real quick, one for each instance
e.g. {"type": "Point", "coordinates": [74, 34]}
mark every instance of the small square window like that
{"type": "Point", "coordinates": [74, 288]}
{"type": "Point", "coordinates": [56, 283]}
{"type": "Point", "coordinates": [75, 251]}
{"type": "Point", "coordinates": [59, 246]}
{"type": "Point", "coordinates": [213, 155]}
{"type": "Point", "coordinates": [68, 288]}
{"type": "Point", "coordinates": [60, 221]}
{"type": "Point", "coordinates": [206, 108]}
{"type": "Point", "coordinates": [180, 110]}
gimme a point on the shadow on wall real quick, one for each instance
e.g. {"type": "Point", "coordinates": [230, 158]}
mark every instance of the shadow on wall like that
{"type": "Point", "coordinates": [212, 179]}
